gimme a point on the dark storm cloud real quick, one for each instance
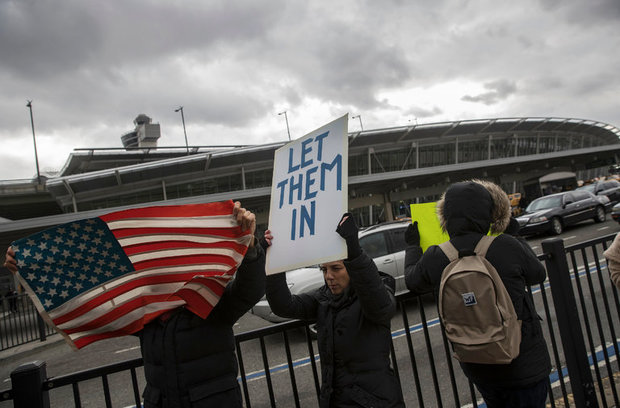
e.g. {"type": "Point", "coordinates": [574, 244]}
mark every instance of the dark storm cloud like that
{"type": "Point", "coordinates": [584, 13]}
{"type": "Point", "coordinates": [498, 91]}
{"type": "Point", "coordinates": [423, 113]}
{"type": "Point", "coordinates": [91, 67]}
{"type": "Point", "coordinates": [48, 38]}
{"type": "Point", "coordinates": [37, 39]}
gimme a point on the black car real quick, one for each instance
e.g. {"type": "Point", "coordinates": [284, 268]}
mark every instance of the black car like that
{"type": "Point", "coordinates": [609, 188]}
{"type": "Point", "coordinates": [615, 212]}
{"type": "Point", "coordinates": [554, 212]}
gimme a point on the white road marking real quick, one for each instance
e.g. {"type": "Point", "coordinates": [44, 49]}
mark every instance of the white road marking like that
{"type": "Point", "coordinates": [127, 349]}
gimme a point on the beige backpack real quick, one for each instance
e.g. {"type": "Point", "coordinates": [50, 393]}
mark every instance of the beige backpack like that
{"type": "Point", "coordinates": [477, 313]}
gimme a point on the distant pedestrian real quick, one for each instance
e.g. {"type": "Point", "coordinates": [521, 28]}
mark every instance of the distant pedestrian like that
{"type": "Point", "coordinates": [12, 297]}
{"type": "Point", "coordinates": [613, 260]}
{"type": "Point", "coordinates": [467, 212]}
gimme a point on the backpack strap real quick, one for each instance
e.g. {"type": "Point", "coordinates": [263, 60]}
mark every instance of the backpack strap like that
{"type": "Point", "coordinates": [449, 250]}
{"type": "Point", "coordinates": [481, 248]}
{"type": "Point", "coordinates": [483, 245]}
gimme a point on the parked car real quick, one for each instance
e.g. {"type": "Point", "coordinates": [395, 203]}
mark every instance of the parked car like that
{"type": "Point", "coordinates": [384, 242]}
{"type": "Point", "coordinates": [552, 213]}
{"type": "Point", "coordinates": [615, 212]}
{"type": "Point", "coordinates": [608, 188]}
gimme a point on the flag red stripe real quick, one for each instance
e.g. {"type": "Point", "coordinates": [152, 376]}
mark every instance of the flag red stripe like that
{"type": "Point", "coordinates": [117, 312]}
{"type": "Point", "coordinates": [195, 303]}
{"type": "Point", "coordinates": [187, 210]}
{"type": "Point", "coordinates": [156, 246]}
{"type": "Point", "coordinates": [185, 260]}
{"type": "Point", "coordinates": [132, 327]}
{"type": "Point", "coordinates": [194, 300]}
{"type": "Point", "coordinates": [232, 232]}
{"type": "Point", "coordinates": [126, 287]}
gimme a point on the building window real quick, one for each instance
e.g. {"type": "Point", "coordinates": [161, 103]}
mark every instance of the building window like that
{"type": "Point", "coordinates": [259, 178]}
{"type": "Point", "coordinates": [358, 164]}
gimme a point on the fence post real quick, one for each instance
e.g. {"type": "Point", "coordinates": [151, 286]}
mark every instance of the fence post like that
{"type": "Point", "coordinates": [41, 325]}
{"type": "Point", "coordinates": [27, 382]}
{"type": "Point", "coordinates": [571, 333]}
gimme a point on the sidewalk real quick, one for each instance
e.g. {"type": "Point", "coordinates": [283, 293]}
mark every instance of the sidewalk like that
{"type": "Point", "coordinates": [609, 397]}
{"type": "Point", "coordinates": [14, 352]}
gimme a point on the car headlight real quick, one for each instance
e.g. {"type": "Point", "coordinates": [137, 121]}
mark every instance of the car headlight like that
{"type": "Point", "coordinates": [536, 220]}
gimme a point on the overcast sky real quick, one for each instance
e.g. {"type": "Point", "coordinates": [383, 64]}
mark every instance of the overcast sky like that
{"type": "Point", "coordinates": [90, 67]}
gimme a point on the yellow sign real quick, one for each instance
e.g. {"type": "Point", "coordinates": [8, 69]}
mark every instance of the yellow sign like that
{"type": "Point", "coordinates": [428, 225]}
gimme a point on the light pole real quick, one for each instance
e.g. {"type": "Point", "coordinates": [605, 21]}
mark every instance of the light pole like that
{"type": "Point", "coordinates": [34, 140]}
{"type": "Point", "coordinates": [287, 129]}
{"type": "Point", "coordinates": [180, 108]}
{"type": "Point", "coordinates": [360, 118]}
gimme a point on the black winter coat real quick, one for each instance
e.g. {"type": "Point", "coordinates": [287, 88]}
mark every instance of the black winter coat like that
{"type": "Point", "coordinates": [353, 332]}
{"type": "Point", "coordinates": [517, 268]}
{"type": "Point", "coordinates": [191, 362]}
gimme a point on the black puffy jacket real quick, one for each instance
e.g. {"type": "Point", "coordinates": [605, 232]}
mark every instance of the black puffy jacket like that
{"type": "Point", "coordinates": [191, 362]}
{"type": "Point", "coordinates": [467, 211]}
{"type": "Point", "coordinates": [353, 332]}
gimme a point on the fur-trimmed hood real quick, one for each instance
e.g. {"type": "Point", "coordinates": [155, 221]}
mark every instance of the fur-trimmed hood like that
{"type": "Point", "coordinates": [474, 206]}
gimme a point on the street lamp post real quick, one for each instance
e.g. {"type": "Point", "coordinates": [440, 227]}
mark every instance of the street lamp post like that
{"type": "Point", "coordinates": [34, 140]}
{"type": "Point", "coordinates": [287, 129]}
{"type": "Point", "coordinates": [360, 118]}
{"type": "Point", "coordinates": [180, 108]}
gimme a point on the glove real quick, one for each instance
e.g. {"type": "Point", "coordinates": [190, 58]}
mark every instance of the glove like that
{"type": "Point", "coordinates": [348, 230]}
{"type": "Point", "coordinates": [412, 235]}
{"type": "Point", "coordinates": [265, 240]}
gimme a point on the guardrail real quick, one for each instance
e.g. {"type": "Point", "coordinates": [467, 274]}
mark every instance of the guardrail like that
{"type": "Point", "coordinates": [579, 305]}
{"type": "Point", "coordinates": [20, 322]}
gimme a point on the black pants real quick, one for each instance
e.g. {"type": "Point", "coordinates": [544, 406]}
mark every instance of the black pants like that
{"type": "Point", "coordinates": [531, 396]}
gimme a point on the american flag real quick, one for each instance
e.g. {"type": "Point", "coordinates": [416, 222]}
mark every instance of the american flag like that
{"type": "Point", "coordinates": [108, 276]}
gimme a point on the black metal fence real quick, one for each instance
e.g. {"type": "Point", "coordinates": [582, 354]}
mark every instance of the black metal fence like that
{"type": "Point", "coordinates": [20, 323]}
{"type": "Point", "coordinates": [579, 306]}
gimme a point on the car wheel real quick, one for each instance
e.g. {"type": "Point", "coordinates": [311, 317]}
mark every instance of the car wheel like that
{"type": "Point", "coordinates": [556, 226]}
{"type": "Point", "coordinates": [600, 214]}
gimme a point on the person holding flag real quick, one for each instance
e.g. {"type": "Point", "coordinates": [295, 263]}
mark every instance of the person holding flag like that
{"type": "Point", "coordinates": [187, 343]}
{"type": "Point", "coordinates": [353, 311]}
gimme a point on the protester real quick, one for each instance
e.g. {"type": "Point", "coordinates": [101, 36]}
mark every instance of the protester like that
{"type": "Point", "coordinates": [189, 361]}
{"type": "Point", "coordinates": [613, 260]}
{"type": "Point", "coordinates": [467, 212]}
{"type": "Point", "coordinates": [353, 312]}
{"type": "Point", "coordinates": [413, 251]}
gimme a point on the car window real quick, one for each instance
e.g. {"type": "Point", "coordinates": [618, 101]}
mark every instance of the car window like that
{"type": "Point", "coordinates": [545, 202]}
{"type": "Point", "coordinates": [374, 245]}
{"type": "Point", "coordinates": [589, 187]}
{"type": "Point", "coordinates": [580, 195]}
{"type": "Point", "coordinates": [397, 236]}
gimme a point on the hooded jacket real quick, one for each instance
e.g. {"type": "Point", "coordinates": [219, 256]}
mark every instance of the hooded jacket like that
{"type": "Point", "coordinates": [613, 260]}
{"type": "Point", "coordinates": [190, 361]}
{"type": "Point", "coordinates": [467, 211]}
{"type": "Point", "coordinates": [353, 334]}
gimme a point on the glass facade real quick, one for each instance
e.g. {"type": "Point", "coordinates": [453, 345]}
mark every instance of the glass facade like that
{"type": "Point", "coordinates": [259, 178]}
{"type": "Point", "coordinates": [437, 154]}
{"type": "Point", "coordinates": [424, 153]}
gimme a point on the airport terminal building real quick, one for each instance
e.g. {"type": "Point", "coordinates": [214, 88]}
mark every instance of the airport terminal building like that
{"type": "Point", "coordinates": [388, 169]}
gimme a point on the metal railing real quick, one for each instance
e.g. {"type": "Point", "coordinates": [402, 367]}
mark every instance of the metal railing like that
{"type": "Point", "coordinates": [579, 306]}
{"type": "Point", "coordinates": [20, 322]}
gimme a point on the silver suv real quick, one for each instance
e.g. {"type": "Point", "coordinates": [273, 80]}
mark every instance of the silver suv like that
{"type": "Point", "coordinates": [385, 243]}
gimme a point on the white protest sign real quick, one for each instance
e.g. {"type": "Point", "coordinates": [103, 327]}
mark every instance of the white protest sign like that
{"type": "Point", "coordinates": [308, 197]}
